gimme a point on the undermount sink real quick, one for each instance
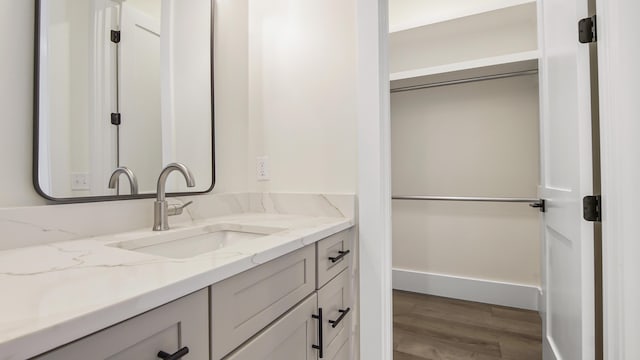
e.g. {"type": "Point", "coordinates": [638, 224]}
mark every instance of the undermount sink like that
{"type": "Point", "coordinates": [187, 243]}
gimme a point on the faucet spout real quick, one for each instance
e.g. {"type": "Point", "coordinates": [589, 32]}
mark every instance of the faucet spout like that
{"type": "Point", "coordinates": [133, 180]}
{"type": "Point", "coordinates": [162, 180]}
{"type": "Point", "coordinates": [161, 207]}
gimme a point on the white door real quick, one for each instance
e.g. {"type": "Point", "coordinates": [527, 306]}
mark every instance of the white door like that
{"type": "Point", "coordinates": [140, 134]}
{"type": "Point", "coordinates": [568, 281]}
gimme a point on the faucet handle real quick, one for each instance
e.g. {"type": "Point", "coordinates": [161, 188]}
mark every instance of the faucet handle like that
{"type": "Point", "coordinates": [177, 209]}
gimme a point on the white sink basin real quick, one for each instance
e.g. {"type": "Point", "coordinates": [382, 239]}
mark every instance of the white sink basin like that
{"type": "Point", "coordinates": [187, 243]}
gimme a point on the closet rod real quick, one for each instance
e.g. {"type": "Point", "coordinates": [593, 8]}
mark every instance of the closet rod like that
{"type": "Point", "coordinates": [461, 198]}
{"type": "Point", "coordinates": [464, 81]}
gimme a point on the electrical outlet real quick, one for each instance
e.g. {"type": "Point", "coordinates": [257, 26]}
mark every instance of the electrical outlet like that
{"type": "Point", "coordinates": [262, 168]}
{"type": "Point", "coordinates": [80, 181]}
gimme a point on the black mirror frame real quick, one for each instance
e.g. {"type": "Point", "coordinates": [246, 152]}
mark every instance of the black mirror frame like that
{"type": "Point", "coordinates": [36, 129]}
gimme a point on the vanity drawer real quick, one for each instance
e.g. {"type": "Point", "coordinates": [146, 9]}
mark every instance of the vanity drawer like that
{"type": "Point", "coordinates": [292, 337]}
{"type": "Point", "coordinates": [335, 301]}
{"type": "Point", "coordinates": [334, 255]}
{"type": "Point", "coordinates": [243, 305]}
{"type": "Point", "coordinates": [169, 328]}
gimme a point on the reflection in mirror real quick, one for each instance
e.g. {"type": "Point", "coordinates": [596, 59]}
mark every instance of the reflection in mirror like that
{"type": "Point", "coordinates": [122, 84]}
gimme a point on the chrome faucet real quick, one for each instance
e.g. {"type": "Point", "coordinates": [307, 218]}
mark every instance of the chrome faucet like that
{"type": "Point", "coordinates": [161, 209]}
{"type": "Point", "coordinates": [133, 181]}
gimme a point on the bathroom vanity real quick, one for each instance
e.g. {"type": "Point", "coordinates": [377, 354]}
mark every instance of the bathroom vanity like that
{"type": "Point", "coordinates": [271, 286]}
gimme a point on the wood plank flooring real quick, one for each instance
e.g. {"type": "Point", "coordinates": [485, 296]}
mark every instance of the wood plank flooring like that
{"type": "Point", "coordinates": [435, 328]}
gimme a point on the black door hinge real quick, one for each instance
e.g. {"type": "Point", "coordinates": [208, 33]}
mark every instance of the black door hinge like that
{"type": "Point", "coordinates": [592, 208]}
{"type": "Point", "coordinates": [116, 119]}
{"type": "Point", "coordinates": [115, 36]}
{"type": "Point", "coordinates": [587, 30]}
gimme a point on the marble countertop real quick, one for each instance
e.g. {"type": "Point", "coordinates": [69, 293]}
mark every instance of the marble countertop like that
{"type": "Point", "coordinates": [56, 293]}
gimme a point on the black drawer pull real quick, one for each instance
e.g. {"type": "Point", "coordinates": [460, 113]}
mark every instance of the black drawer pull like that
{"type": "Point", "coordinates": [175, 356]}
{"type": "Point", "coordinates": [339, 257]}
{"type": "Point", "coordinates": [319, 347]}
{"type": "Point", "coordinates": [337, 321]}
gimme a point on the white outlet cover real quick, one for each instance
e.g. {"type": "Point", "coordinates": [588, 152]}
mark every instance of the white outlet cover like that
{"type": "Point", "coordinates": [80, 181]}
{"type": "Point", "coordinates": [262, 168]}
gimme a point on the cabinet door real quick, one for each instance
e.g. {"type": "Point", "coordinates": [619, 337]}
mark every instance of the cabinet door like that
{"type": "Point", "coordinates": [335, 301]}
{"type": "Point", "coordinates": [344, 353]}
{"type": "Point", "coordinates": [243, 305]}
{"type": "Point", "coordinates": [168, 328]}
{"type": "Point", "coordinates": [290, 338]}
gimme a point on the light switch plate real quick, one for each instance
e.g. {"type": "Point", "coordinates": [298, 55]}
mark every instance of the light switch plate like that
{"type": "Point", "coordinates": [262, 168]}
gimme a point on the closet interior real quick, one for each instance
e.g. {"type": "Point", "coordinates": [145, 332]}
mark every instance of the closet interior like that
{"type": "Point", "coordinates": [465, 156]}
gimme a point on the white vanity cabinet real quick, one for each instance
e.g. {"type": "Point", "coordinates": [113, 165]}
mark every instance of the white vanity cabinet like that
{"type": "Point", "coordinates": [317, 328]}
{"type": "Point", "coordinates": [337, 310]}
{"type": "Point", "coordinates": [169, 328]}
{"type": "Point", "coordinates": [244, 304]}
{"type": "Point", "coordinates": [296, 334]}
{"type": "Point", "coordinates": [291, 337]}
{"type": "Point", "coordinates": [298, 306]}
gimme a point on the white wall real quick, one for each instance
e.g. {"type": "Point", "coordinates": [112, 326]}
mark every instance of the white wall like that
{"type": "Point", "coordinates": [152, 8]}
{"type": "Point", "coordinates": [477, 139]}
{"type": "Point", "coordinates": [302, 95]}
{"type": "Point", "coordinates": [231, 95]}
{"type": "Point", "coordinates": [495, 33]}
{"type": "Point", "coordinates": [409, 13]}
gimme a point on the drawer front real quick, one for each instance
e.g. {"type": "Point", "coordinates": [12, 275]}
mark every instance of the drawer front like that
{"type": "Point", "coordinates": [243, 305]}
{"type": "Point", "coordinates": [290, 338]}
{"type": "Point", "coordinates": [168, 328]}
{"type": "Point", "coordinates": [335, 301]}
{"type": "Point", "coordinates": [330, 260]}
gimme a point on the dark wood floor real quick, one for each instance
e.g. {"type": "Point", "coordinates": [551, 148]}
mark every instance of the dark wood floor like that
{"type": "Point", "coordinates": [435, 328]}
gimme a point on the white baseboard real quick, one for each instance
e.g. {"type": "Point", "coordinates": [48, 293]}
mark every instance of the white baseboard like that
{"type": "Point", "coordinates": [484, 291]}
{"type": "Point", "coordinates": [541, 306]}
{"type": "Point", "coordinates": [548, 351]}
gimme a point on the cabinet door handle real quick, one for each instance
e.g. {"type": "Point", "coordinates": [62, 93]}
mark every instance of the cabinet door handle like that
{"type": "Point", "coordinates": [175, 356]}
{"type": "Point", "coordinates": [339, 257]}
{"type": "Point", "coordinates": [337, 321]}
{"type": "Point", "coordinates": [319, 347]}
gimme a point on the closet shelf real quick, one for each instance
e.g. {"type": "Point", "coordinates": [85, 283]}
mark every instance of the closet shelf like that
{"type": "Point", "coordinates": [434, 17]}
{"type": "Point", "coordinates": [497, 65]}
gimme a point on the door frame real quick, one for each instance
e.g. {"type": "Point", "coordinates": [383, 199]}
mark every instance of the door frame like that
{"type": "Point", "coordinates": [618, 56]}
{"type": "Point", "coordinates": [374, 180]}
{"type": "Point", "coordinates": [105, 16]}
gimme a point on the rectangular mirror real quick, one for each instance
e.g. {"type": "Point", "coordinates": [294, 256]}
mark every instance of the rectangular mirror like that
{"type": "Point", "coordinates": [122, 84]}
